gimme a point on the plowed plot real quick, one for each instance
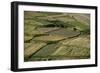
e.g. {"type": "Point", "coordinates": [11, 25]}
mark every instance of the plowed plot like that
{"type": "Point", "coordinates": [49, 38]}
{"type": "Point", "coordinates": [65, 32]}
{"type": "Point", "coordinates": [33, 48]}
{"type": "Point", "coordinates": [45, 52]}
{"type": "Point", "coordinates": [57, 35]}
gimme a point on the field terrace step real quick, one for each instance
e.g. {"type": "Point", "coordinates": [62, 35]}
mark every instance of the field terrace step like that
{"type": "Point", "coordinates": [57, 35]}
{"type": "Point", "coordinates": [33, 48]}
{"type": "Point", "coordinates": [49, 38]}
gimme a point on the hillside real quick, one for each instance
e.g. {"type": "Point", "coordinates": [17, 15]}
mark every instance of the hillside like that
{"type": "Point", "coordinates": [56, 36]}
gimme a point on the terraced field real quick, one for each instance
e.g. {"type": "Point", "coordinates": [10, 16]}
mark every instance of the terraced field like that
{"type": "Point", "coordinates": [56, 36]}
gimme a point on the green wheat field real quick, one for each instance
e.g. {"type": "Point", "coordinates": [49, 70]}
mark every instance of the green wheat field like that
{"type": "Point", "coordinates": [56, 36]}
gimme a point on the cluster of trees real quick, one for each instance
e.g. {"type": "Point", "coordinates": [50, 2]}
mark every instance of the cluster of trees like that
{"type": "Point", "coordinates": [55, 23]}
{"type": "Point", "coordinates": [85, 31]}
